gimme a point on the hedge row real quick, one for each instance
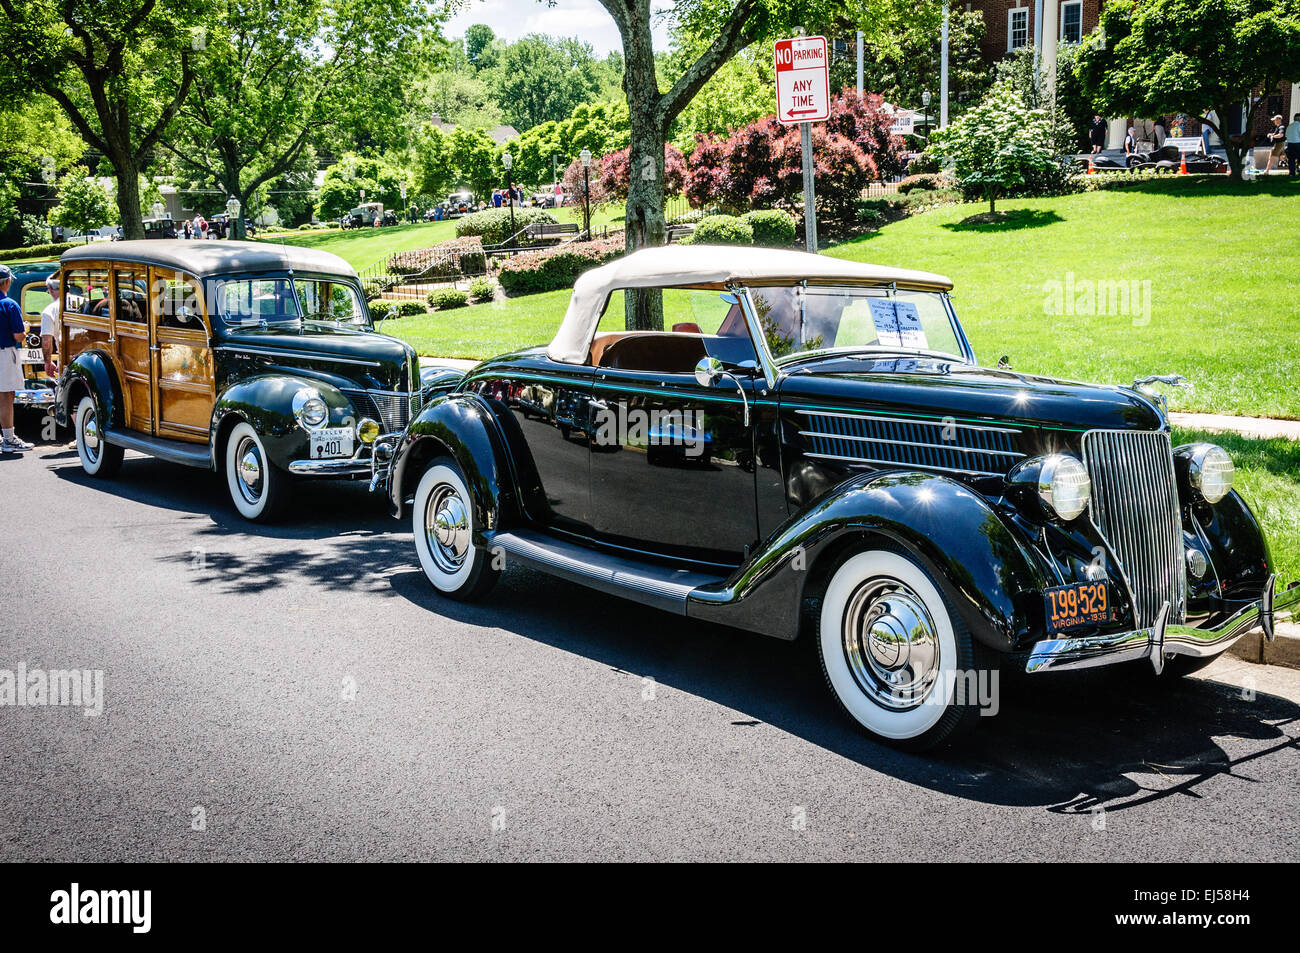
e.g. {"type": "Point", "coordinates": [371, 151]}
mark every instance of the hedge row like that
{"type": "Point", "coordinates": [535, 271]}
{"type": "Point", "coordinates": [770, 228]}
{"type": "Point", "coordinates": [492, 225]}
{"type": "Point", "coordinates": [457, 256]}
{"type": "Point", "coordinates": [445, 298]}
{"type": "Point", "coordinates": [38, 251]}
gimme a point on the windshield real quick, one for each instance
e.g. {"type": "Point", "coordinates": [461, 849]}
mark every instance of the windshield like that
{"type": "Point", "coordinates": [282, 300]}
{"type": "Point", "coordinates": [799, 319]}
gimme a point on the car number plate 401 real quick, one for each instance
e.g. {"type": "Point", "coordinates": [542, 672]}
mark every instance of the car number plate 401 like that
{"type": "Point", "coordinates": [331, 442]}
{"type": "Point", "coordinates": [31, 355]}
{"type": "Point", "coordinates": [1075, 605]}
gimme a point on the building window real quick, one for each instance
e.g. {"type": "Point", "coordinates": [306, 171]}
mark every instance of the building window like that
{"type": "Point", "coordinates": [1072, 21]}
{"type": "Point", "coordinates": [1017, 28]}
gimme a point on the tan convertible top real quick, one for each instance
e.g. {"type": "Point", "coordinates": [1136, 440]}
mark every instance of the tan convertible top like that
{"type": "Point", "coordinates": [711, 266]}
{"type": "Point", "coordinates": [212, 259]}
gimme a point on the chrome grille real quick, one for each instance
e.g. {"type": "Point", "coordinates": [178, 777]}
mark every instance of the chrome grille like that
{"type": "Point", "coordinates": [945, 445]}
{"type": "Point", "coordinates": [391, 409]}
{"type": "Point", "coordinates": [1135, 506]}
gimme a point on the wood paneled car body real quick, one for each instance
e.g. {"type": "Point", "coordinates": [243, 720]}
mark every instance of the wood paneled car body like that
{"type": "Point", "coordinates": [815, 447]}
{"type": "Point", "coordinates": [255, 360]}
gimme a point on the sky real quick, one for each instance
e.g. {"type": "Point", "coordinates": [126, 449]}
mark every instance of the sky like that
{"type": "Point", "coordinates": [585, 19]}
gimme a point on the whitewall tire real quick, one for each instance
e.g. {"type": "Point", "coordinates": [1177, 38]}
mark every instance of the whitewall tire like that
{"type": "Point", "coordinates": [98, 457]}
{"type": "Point", "coordinates": [257, 487]}
{"type": "Point", "coordinates": [893, 652]}
{"type": "Point", "coordinates": [442, 522]}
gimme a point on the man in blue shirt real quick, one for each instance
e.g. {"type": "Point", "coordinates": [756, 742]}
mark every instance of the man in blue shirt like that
{"type": "Point", "coordinates": [12, 332]}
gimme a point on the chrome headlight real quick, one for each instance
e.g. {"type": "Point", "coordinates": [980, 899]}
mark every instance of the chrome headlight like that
{"type": "Point", "coordinates": [1063, 486]}
{"type": "Point", "coordinates": [310, 408]}
{"type": "Point", "coordinates": [1209, 471]}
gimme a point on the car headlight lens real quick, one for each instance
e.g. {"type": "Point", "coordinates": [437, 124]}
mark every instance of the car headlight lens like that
{"type": "Point", "coordinates": [1064, 487]}
{"type": "Point", "coordinates": [1209, 471]}
{"type": "Point", "coordinates": [310, 409]}
{"type": "Point", "coordinates": [367, 430]}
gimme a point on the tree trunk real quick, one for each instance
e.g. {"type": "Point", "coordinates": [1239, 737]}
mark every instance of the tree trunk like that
{"type": "Point", "coordinates": [127, 170]}
{"type": "Point", "coordinates": [993, 201]}
{"type": "Point", "coordinates": [644, 218]}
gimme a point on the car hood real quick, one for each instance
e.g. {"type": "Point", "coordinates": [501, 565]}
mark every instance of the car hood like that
{"type": "Point", "coordinates": [941, 388]}
{"type": "Point", "coordinates": [359, 358]}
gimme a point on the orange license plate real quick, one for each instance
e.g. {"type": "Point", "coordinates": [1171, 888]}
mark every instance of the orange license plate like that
{"type": "Point", "coordinates": [1078, 604]}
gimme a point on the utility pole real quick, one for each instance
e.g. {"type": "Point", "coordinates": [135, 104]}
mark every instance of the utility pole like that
{"type": "Point", "coordinates": [943, 69]}
{"type": "Point", "coordinates": [809, 199]}
{"type": "Point", "coordinates": [860, 43]}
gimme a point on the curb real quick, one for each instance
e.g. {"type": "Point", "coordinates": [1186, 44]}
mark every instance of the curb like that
{"type": "Point", "coordinates": [1284, 650]}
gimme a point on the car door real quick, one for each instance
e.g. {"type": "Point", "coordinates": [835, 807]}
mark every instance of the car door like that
{"type": "Point", "coordinates": [184, 382]}
{"type": "Point", "coordinates": [133, 344]}
{"type": "Point", "coordinates": [672, 460]}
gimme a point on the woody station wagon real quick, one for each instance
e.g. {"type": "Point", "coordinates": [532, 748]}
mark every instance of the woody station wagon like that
{"type": "Point", "coordinates": [814, 447]}
{"type": "Point", "coordinates": [254, 360]}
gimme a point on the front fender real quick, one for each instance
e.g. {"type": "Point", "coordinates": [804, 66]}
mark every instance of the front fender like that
{"type": "Point", "coordinates": [463, 427]}
{"type": "Point", "coordinates": [987, 573]}
{"type": "Point", "coordinates": [91, 372]}
{"type": "Point", "coordinates": [1237, 549]}
{"type": "Point", "coordinates": [266, 402]}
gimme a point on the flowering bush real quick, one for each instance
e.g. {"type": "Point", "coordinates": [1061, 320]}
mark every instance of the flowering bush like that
{"type": "Point", "coordinates": [925, 180]}
{"type": "Point", "coordinates": [558, 267]}
{"type": "Point", "coordinates": [616, 173]}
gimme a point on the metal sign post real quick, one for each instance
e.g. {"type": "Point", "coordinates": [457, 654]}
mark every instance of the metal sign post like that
{"type": "Point", "coordinates": [803, 96]}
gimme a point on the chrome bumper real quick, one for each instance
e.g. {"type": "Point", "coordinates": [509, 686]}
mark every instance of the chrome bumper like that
{"type": "Point", "coordinates": [34, 397]}
{"type": "Point", "coordinates": [1163, 639]}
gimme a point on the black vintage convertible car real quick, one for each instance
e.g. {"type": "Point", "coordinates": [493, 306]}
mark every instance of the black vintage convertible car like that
{"type": "Point", "coordinates": [814, 448]}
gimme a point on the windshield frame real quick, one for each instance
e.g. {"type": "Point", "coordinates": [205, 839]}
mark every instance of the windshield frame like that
{"type": "Point", "coordinates": [213, 287]}
{"type": "Point", "coordinates": [776, 367]}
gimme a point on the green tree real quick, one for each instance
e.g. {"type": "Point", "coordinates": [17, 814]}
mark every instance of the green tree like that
{"type": "Point", "coordinates": [904, 63]}
{"type": "Point", "coordinates": [478, 38]}
{"type": "Point", "coordinates": [1194, 56]}
{"type": "Point", "coordinates": [540, 78]}
{"type": "Point", "coordinates": [739, 93]}
{"type": "Point", "coordinates": [37, 142]}
{"type": "Point", "coordinates": [343, 182]}
{"type": "Point", "coordinates": [474, 156]}
{"type": "Point", "coordinates": [119, 69]}
{"type": "Point", "coordinates": [84, 204]}
{"type": "Point", "coordinates": [434, 165]}
{"type": "Point", "coordinates": [282, 72]}
{"type": "Point", "coordinates": [458, 98]}
{"type": "Point", "coordinates": [994, 145]}
{"type": "Point", "coordinates": [600, 127]}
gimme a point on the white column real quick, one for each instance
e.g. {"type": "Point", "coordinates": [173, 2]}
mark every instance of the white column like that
{"type": "Point", "coordinates": [860, 52]}
{"type": "Point", "coordinates": [1051, 34]}
{"type": "Point", "coordinates": [943, 69]}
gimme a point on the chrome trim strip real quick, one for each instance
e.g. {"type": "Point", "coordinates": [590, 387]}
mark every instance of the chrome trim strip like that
{"type": "Point", "coordinates": [909, 443]}
{"type": "Point", "coordinates": [343, 466]}
{"type": "Point", "coordinates": [896, 465]}
{"type": "Point", "coordinates": [771, 372]}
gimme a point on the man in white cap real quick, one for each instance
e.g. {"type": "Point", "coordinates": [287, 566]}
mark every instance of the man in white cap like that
{"type": "Point", "coordinates": [50, 329]}
{"type": "Point", "coordinates": [12, 332]}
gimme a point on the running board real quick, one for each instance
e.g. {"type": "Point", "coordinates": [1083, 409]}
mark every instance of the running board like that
{"type": "Point", "coordinates": [646, 583]}
{"type": "Point", "coordinates": [173, 451]}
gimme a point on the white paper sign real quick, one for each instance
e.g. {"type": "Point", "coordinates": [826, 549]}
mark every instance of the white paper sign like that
{"type": "Point", "coordinates": [898, 324]}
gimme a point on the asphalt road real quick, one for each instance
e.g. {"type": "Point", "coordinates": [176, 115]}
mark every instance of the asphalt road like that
{"type": "Point", "coordinates": [303, 692]}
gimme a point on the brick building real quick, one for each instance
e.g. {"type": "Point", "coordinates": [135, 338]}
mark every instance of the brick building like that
{"type": "Point", "coordinates": [1011, 24]}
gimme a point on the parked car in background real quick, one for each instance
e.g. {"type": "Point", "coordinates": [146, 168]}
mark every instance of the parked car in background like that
{"type": "Point", "coordinates": [815, 448]}
{"type": "Point", "coordinates": [28, 289]}
{"type": "Point", "coordinates": [460, 203]}
{"type": "Point", "coordinates": [363, 216]}
{"type": "Point", "coordinates": [257, 361]}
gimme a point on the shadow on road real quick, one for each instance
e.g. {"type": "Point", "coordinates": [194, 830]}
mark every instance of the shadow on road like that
{"type": "Point", "coordinates": [1070, 743]}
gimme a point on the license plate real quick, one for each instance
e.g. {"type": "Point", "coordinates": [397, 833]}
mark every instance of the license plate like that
{"type": "Point", "coordinates": [1076, 605]}
{"type": "Point", "coordinates": [31, 355]}
{"type": "Point", "coordinates": [331, 442]}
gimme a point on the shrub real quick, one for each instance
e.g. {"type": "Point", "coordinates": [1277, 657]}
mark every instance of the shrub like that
{"type": "Point", "coordinates": [924, 181]}
{"type": "Point", "coordinates": [771, 228]}
{"type": "Point", "coordinates": [722, 230]}
{"type": "Point", "coordinates": [446, 298]}
{"type": "Point", "coordinates": [482, 289]}
{"type": "Point", "coordinates": [397, 309]}
{"type": "Point", "coordinates": [456, 256]}
{"type": "Point", "coordinates": [870, 217]}
{"type": "Point", "coordinates": [306, 227]}
{"type": "Point", "coordinates": [492, 226]}
{"type": "Point", "coordinates": [616, 173]}
{"type": "Point", "coordinates": [926, 198]}
{"type": "Point", "coordinates": [690, 217]}
{"type": "Point", "coordinates": [924, 164]}
{"type": "Point", "coordinates": [38, 251]}
{"type": "Point", "coordinates": [535, 271]}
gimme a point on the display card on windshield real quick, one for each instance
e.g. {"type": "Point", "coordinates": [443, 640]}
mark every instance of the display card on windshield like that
{"type": "Point", "coordinates": [898, 324]}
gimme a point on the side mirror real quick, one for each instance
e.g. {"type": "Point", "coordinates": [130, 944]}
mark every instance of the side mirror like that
{"type": "Point", "coordinates": [1004, 363]}
{"type": "Point", "coordinates": [710, 370]}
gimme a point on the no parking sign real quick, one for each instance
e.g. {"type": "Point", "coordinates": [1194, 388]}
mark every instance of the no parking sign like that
{"type": "Point", "coordinates": [803, 86]}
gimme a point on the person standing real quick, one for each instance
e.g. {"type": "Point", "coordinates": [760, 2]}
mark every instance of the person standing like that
{"type": "Point", "coordinates": [1277, 140]}
{"type": "Point", "coordinates": [1293, 146]}
{"type": "Point", "coordinates": [1131, 142]}
{"type": "Point", "coordinates": [12, 332]}
{"type": "Point", "coordinates": [1097, 133]}
{"type": "Point", "coordinates": [1159, 132]}
{"type": "Point", "coordinates": [50, 327]}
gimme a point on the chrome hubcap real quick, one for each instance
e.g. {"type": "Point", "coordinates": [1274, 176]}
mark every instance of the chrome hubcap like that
{"type": "Point", "coordinates": [891, 644]}
{"type": "Point", "coordinates": [90, 435]}
{"type": "Point", "coordinates": [249, 467]}
{"type": "Point", "coordinates": [446, 525]}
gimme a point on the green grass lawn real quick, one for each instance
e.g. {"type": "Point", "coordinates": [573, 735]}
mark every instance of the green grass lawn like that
{"type": "Point", "coordinates": [363, 247]}
{"type": "Point", "coordinates": [1268, 477]}
{"type": "Point", "coordinates": [1221, 263]}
